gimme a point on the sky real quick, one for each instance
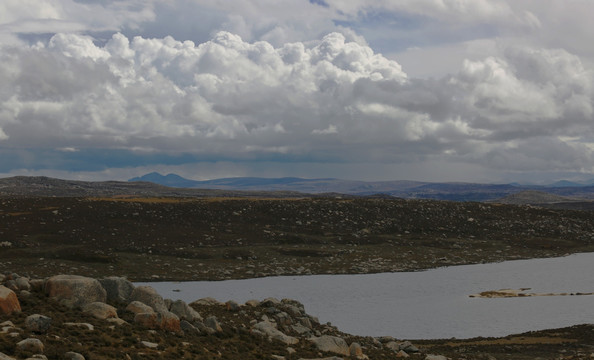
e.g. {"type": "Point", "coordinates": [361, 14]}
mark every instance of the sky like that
{"type": "Point", "coordinates": [429, 90]}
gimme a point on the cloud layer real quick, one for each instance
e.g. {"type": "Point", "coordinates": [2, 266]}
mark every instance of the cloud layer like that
{"type": "Point", "coordinates": [283, 81]}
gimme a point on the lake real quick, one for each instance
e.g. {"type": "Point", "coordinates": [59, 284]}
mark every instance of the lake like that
{"type": "Point", "coordinates": [428, 304]}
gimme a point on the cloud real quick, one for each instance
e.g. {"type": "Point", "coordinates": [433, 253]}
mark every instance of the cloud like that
{"type": "Point", "coordinates": [333, 100]}
{"type": "Point", "coordinates": [51, 16]}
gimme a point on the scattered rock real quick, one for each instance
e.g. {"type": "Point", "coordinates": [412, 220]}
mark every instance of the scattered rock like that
{"type": "Point", "coordinates": [9, 302]}
{"type": "Point", "coordinates": [331, 344]}
{"type": "Point", "coordinates": [30, 346]}
{"type": "Point", "coordinates": [38, 323]}
{"type": "Point", "coordinates": [74, 290]}
{"type": "Point", "coordinates": [101, 310]}
{"type": "Point", "coordinates": [117, 288]}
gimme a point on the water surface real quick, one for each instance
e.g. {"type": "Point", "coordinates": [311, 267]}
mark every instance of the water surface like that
{"type": "Point", "coordinates": [428, 304]}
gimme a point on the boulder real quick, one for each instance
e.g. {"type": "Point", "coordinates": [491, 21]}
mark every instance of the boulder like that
{"type": "Point", "coordinates": [184, 311]}
{"type": "Point", "coordinates": [73, 356]}
{"type": "Point", "coordinates": [253, 303]}
{"type": "Point", "coordinates": [147, 320]}
{"type": "Point", "coordinates": [9, 302]}
{"type": "Point", "coordinates": [5, 357]}
{"type": "Point", "coordinates": [208, 301]}
{"type": "Point", "coordinates": [169, 321]}
{"type": "Point", "coordinates": [150, 345]}
{"type": "Point", "coordinates": [331, 344]}
{"type": "Point", "coordinates": [30, 346]}
{"type": "Point", "coordinates": [232, 306]}
{"type": "Point", "coordinates": [435, 357]}
{"type": "Point", "coordinates": [408, 347]}
{"type": "Point", "coordinates": [23, 283]}
{"type": "Point", "coordinates": [212, 323]}
{"type": "Point", "coordinates": [38, 323]}
{"type": "Point", "coordinates": [165, 321]}
{"type": "Point", "coordinates": [37, 357]}
{"type": "Point", "coordinates": [137, 307]}
{"type": "Point", "coordinates": [37, 284]}
{"type": "Point", "coordinates": [74, 290]}
{"type": "Point", "coordinates": [100, 310]}
{"type": "Point", "coordinates": [402, 355]}
{"type": "Point", "coordinates": [85, 326]}
{"type": "Point", "coordinates": [355, 350]}
{"type": "Point", "coordinates": [117, 288]}
{"type": "Point", "coordinates": [188, 328]}
{"type": "Point", "coordinates": [268, 329]}
{"type": "Point", "coordinates": [149, 296]}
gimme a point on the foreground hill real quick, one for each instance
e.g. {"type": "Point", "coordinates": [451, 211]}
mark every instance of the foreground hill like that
{"type": "Point", "coordinates": [210, 238]}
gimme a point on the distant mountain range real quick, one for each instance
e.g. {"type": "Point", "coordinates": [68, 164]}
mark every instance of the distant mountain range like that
{"type": "Point", "coordinates": [156, 185]}
{"type": "Point", "coordinates": [403, 189]}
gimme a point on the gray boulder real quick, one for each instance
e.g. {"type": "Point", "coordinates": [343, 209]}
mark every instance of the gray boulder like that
{"type": "Point", "coordinates": [184, 311]}
{"type": "Point", "coordinates": [207, 301]}
{"type": "Point", "coordinates": [74, 290]}
{"type": "Point", "coordinates": [30, 346]}
{"type": "Point", "coordinates": [149, 296]}
{"type": "Point", "coordinates": [4, 356]}
{"type": "Point", "coordinates": [435, 357]}
{"type": "Point", "coordinates": [38, 323]}
{"type": "Point", "coordinates": [212, 323]}
{"type": "Point", "coordinates": [138, 307]}
{"type": "Point", "coordinates": [269, 330]}
{"type": "Point", "coordinates": [331, 344]}
{"type": "Point", "coordinates": [23, 283]}
{"type": "Point", "coordinates": [117, 288]}
{"type": "Point", "coordinates": [101, 310]}
{"type": "Point", "coordinates": [73, 356]}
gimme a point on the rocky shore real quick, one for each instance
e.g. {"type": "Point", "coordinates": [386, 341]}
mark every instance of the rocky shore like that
{"type": "Point", "coordinates": [75, 317]}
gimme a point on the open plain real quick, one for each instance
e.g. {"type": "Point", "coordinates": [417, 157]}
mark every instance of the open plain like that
{"type": "Point", "coordinates": [215, 238]}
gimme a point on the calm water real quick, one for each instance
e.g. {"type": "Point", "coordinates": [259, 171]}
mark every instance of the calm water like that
{"type": "Point", "coordinates": [425, 305]}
